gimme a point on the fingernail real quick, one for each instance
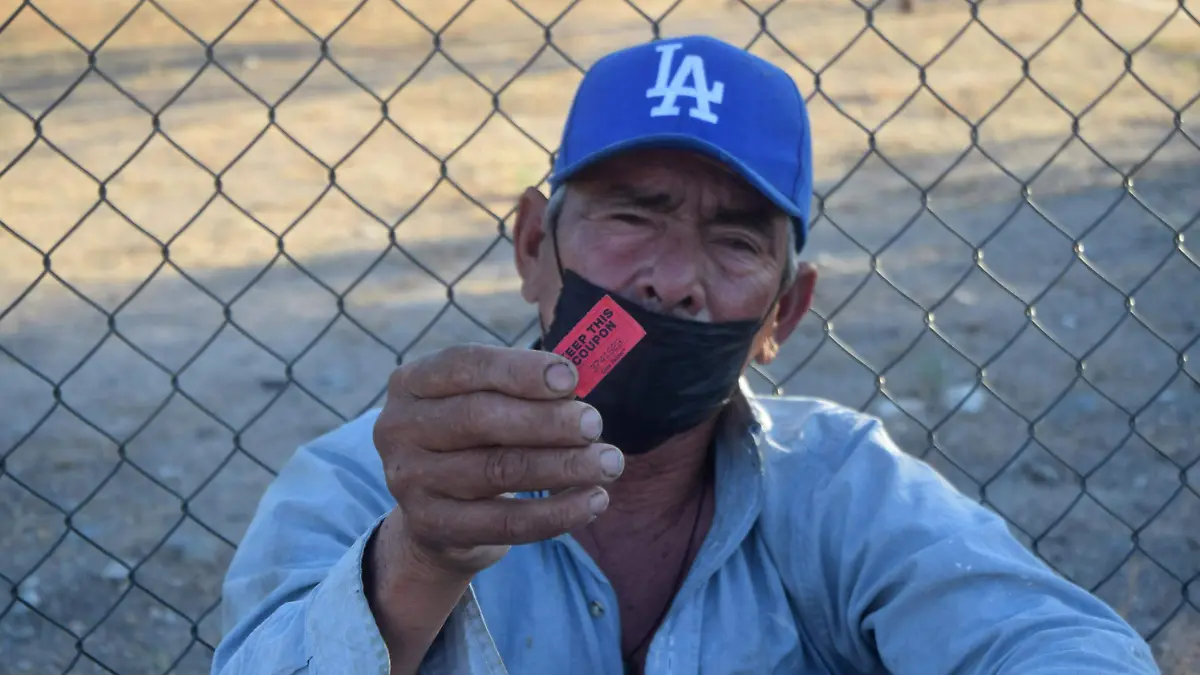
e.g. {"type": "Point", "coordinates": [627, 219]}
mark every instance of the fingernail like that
{"type": "Point", "coordinates": [598, 502]}
{"type": "Point", "coordinates": [590, 424]}
{"type": "Point", "coordinates": [612, 462]}
{"type": "Point", "coordinates": [559, 377]}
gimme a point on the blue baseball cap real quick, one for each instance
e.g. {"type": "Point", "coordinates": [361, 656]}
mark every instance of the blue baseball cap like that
{"type": "Point", "coordinates": [696, 93]}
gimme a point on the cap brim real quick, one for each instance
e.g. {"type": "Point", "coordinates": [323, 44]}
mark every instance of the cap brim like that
{"type": "Point", "coordinates": [685, 142]}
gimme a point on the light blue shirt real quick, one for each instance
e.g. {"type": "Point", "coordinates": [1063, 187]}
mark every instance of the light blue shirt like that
{"type": "Point", "coordinates": [831, 551]}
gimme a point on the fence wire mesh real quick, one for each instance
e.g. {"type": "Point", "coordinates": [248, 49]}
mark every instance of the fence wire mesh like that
{"type": "Point", "coordinates": [222, 224]}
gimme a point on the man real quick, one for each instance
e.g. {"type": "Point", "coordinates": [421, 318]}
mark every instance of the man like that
{"type": "Point", "coordinates": [663, 520]}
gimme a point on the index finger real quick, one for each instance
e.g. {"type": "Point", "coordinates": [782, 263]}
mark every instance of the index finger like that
{"type": "Point", "coordinates": [464, 369]}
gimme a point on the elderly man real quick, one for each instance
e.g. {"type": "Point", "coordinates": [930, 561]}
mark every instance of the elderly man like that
{"type": "Point", "coordinates": [615, 499]}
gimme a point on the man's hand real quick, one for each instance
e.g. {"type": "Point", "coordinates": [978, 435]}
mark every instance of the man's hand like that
{"type": "Point", "coordinates": [466, 425]}
{"type": "Point", "coordinates": [460, 430]}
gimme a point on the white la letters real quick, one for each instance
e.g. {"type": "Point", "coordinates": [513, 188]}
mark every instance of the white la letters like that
{"type": "Point", "coordinates": [669, 88]}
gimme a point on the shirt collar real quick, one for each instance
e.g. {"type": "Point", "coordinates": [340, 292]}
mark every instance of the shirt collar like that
{"type": "Point", "coordinates": [744, 424]}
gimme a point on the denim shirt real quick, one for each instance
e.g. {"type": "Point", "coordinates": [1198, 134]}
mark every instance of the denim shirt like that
{"type": "Point", "coordinates": [830, 551]}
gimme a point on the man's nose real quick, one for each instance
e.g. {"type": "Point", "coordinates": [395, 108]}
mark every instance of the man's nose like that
{"type": "Point", "coordinates": [672, 283]}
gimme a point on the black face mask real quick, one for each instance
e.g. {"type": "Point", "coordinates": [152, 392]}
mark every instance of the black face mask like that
{"type": "Point", "coordinates": [679, 374]}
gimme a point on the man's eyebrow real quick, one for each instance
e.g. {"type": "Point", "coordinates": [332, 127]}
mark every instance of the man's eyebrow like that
{"type": "Point", "coordinates": [757, 218]}
{"type": "Point", "coordinates": [628, 195]}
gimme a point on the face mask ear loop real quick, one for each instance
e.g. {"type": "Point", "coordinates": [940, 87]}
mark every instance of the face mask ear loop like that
{"type": "Point", "coordinates": [552, 229]}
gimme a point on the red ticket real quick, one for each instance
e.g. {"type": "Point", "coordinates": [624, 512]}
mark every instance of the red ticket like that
{"type": "Point", "coordinates": [598, 342]}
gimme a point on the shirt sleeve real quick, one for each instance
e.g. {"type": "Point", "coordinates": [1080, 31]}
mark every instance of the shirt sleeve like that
{"type": "Point", "coordinates": [293, 598]}
{"type": "Point", "coordinates": [900, 570]}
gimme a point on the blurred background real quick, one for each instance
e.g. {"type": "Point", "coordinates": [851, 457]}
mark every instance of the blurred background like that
{"type": "Point", "coordinates": [223, 223]}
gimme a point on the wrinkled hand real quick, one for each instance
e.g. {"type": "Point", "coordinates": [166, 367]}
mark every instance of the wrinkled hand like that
{"type": "Point", "coordinates": [466, 425]}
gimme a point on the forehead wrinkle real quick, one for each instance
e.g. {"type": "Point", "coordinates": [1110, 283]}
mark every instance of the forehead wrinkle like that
{"type": "Point", "coordinates": [654, 199]}
{"type": "Point", "coordinates": [730, 205]}
{"type": "Point", "coordinates": [663, 187]}
{"type": "Point", "coordinates": [742, 208]}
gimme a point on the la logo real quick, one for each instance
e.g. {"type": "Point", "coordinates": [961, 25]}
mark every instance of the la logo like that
{"type": "Point", "coordinates": [689, 81]}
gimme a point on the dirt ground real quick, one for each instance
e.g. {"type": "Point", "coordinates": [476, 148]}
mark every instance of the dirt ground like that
{"type": "Point", "coordinates": [187, 294]}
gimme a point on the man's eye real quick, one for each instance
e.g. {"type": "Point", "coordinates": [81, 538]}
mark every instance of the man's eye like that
{"type": "Point", "coordinates": [631, 218]}
{"type": "Point", "coordinates": [740, 244]}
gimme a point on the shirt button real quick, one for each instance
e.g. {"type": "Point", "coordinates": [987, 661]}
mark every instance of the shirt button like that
{"type": "Point", "coordinates": [596, 609]}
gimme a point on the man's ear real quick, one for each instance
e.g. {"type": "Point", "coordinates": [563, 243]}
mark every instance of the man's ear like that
{"type": "Point", "coordinates": [794, 303]}
{"type": "Point", "coordinates": [529, 236]}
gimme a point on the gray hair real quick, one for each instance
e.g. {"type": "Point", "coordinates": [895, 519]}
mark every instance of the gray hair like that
{"type": "Point", "coordinates": [554, 208]}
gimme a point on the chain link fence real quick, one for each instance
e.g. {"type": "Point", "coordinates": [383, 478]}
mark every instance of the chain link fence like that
{"type": "Point", "coordinates": [223, 223]}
